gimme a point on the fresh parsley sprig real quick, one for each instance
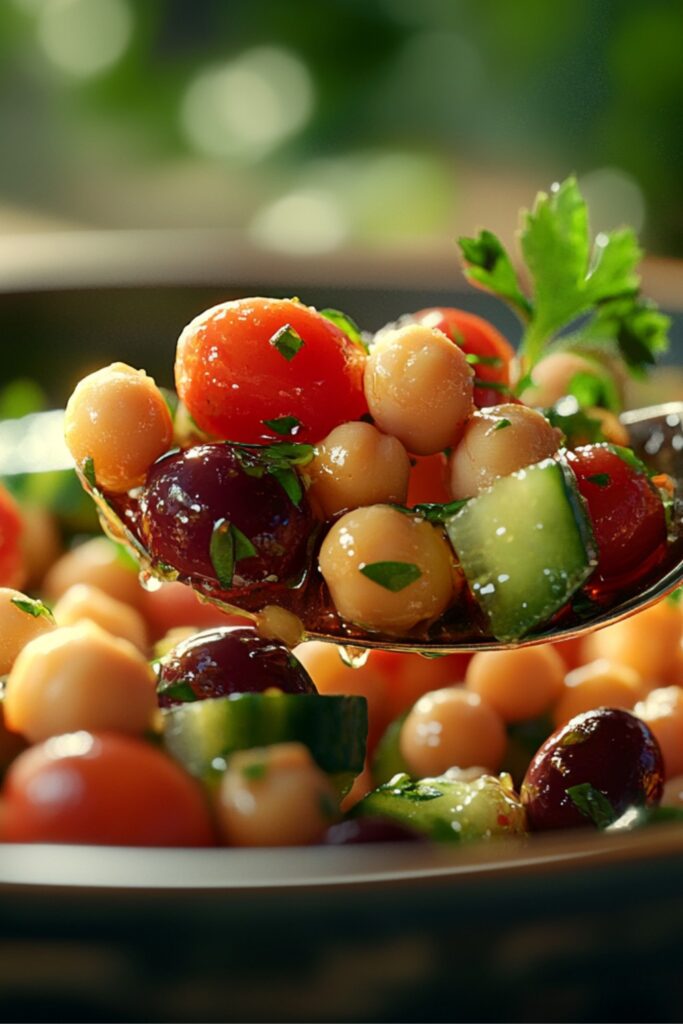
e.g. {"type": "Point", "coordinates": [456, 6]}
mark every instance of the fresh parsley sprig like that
{"type": "Point", "coordinates": [573, 279]}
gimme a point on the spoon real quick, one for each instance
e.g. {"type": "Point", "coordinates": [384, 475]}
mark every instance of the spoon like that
{"type": "Point", "coordinates": [34, 444]}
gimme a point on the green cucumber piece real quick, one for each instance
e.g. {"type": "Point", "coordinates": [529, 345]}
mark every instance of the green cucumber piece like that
{"type": "Point", "coordinates": [525, 546]}
{"type": "Point", "coordinates": [202, 735]}
{"type": "Point", "coordinates": [387, 759]}
{"type": "Point", "coordinates": [447, 808]}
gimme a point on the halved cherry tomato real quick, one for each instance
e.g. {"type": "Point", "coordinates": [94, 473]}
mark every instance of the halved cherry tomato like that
{"type": "Point", "coordinates": [11, 528]}
{"type": "Point", "coordinates": [480, 340]}
{"type": "Point", "coordinates": [627, 514]}
{"type": "Point", "coordinates": [257, 370]}
{"type": "Point", "coordinates": [106, 789]}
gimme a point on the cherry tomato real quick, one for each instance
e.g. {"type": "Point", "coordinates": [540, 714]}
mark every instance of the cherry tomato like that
{"type": "Point", "coordinates": [258, 369]}
{"type": "Point", "coordinates": [11, 528]}
{"type": "Point", "coordinates": [479, 339]}
{"type": "Point", "coordinates": [175, 605]}
{"type": "Point", "coordinates": [106, 789]}
{"type": "Point", "coordinates": [427, 481]}
{"type": "Point", "coordinates": [627, 514]}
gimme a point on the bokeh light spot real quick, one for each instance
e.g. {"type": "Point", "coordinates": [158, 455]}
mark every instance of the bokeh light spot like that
{"type": "Point", "coordinates": [84, 37]}
{"type": "Point", "coordinates": [306, 223]}
{"type": "Point", "coordinates": [247, 107]}
{"type": "Point", "coordinates": [614, 199]}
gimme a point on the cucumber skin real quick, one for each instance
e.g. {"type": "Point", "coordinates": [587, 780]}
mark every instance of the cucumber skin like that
{"type": "Point", "coordinates": [202, 734]}
{"type": "Point", "coordinates": [502, 626]}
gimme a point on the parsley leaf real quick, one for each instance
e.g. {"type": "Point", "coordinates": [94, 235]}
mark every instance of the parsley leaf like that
{"type": "Point", "coordinates": [488, 265]}
{"type": "Point", "coordinates": [180, 690]}
{"type": "Point", "coordinates": [346, 324]}
{"type": "Point", "coordinates": [502, 424]}
{"type": "Point", "coordinates": [493, 385]}
{"type": "Point", "coordinates": [88, 471]}
{"type": "Point", "coordinates": [592, 804]}
{"type": "Point", "coordinates": [286, 426]}
{"type": "Point", "coordinates": [287, 341]}
{"type": "Point", "coordinates": [600, 479]}
{"type": "Point", "coordinates": [393, 576]}
{"type": "Point", "coordinates": [438, 513]}
{"type": "Point", "coordinates": [227, 546]}
{"type": "Point", "coordinates": [37, 609]}
{"type": "Point", "coordinates": [278, 460]}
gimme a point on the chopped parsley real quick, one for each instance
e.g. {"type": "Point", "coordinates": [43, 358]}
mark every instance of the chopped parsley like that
{"type": "Point", "coordinates": [278, 460]}
{"type": "Point", "coordinates": [393, 576]}
{"type": "Point", "coordinates": [287, 341]}
{"type": "Point", "coordinates": [37, 609]}
{"type": "Point", "coordinates": [600, 479]}
{"type": "Point", "coordinates": [180, 690]}
{"type": "Point", "coordinates": [228, 546]}
{"type": "Point", "coordinates": [254, 771]}
{"type": "Point", "coordinates": [88, 471]}
{"type": "Point", "coordinates": [493, 385]}
{"type": "Point", "coordinates": [346, 324]}
{"type": "Point", "coordinates": [474, 360]}
{"type": "Point", "coordinates": [592, 804]}
{"type": "Point", "coordinates": [286, 426]}
{"type": "Point", "coordinates": [502, 424]}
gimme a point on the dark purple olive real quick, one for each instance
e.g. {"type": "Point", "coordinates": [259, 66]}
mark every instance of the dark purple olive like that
{"type": "Point", "coordinates": [229, 659]}
{"type": "Point", "coordinates": [592, 770]}
{"type": "Point", "coordinates": [370, 830]}
{"type": "Point", "coordinates": [211, 514]}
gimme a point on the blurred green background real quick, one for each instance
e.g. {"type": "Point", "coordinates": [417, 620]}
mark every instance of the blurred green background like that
{"type": "Point", "coordinates": [315, 126]}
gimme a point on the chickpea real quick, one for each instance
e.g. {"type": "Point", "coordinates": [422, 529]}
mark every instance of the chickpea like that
{"type": "Point", "coordinates": [419, 388]}
{"type": "Point", "coordinates": [498, 441]}
{"type": "Point", "coordinates": [118, 418]}
{"type": "Point", "coordinates": [612, 428]}
{"type": "Point", "coordinates": [275, 796]}
{"type": "Point", "coordinates": [41, 542]}
{"type": "Point", "coordinates": [599, 684]}
{"type": "Point", "coordinates": [79, 677]}
{"type": "Point", "coordinates": [662, 710]}
{"type": "Point", "coordinates": [519, 684]}
{"type": "Point", "coordinates": [17, 626]}
{"type": "Point", "coordinates": [645, 641]}
{"type": "Point", "coordinates": [452, 728]}
{"type": "Point", "coordinates": [357, 465]}
{"type": "Point", "coordinates": [552, 377]}
{"type": "Point", "coordinates": [380, 534]}
{"type": "Point", "coordinates": [84, 601]}
{"type": "Point", "coordinates": [673, 792]}
{"type": "Point", "coordinates": [98, 562]}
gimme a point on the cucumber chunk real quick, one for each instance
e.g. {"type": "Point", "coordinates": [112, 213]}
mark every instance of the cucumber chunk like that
{"type": "Point", "coordinates": [448, 808]}
{"type": "Point", "coordinates": [525, 546]}
{"type": "Point", "coordinates": [203, 734]}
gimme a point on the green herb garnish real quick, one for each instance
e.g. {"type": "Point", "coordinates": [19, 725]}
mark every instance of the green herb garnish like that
{"type": "Point", "coordinates": [502, 424]}
{"type": "Point", "coordinates": [600, 479]}
{"type": "Point", "coordinates": [287, 342]}
{"type": "Point", "coordinates": [577, 425]}
{"type": "Point", "coordinates": [474, 360]}
{"type": "Point", "coordinates": [278, 460]}
{"type": "Point", "coordinates": [415, 790]}
{"type": "Point", "coordinates": [228, 546]}
{"type": "Point", "coordinates": [572, 279]}
{"type": "Point", "coordinates": [439, 513]}
{"type": "Point", "coordinates": [180, 690]}
{"type": "Point", "coordinates": [285, 426]}
{"type": "Point", "coordinates": [393, 576]}
{"type": "Point", "coordinates": [346, 324]}
{"type": "Point", "coordinates": [592, 804]}
{"type": "Point", "coordinates": [254, 771]}
{"type": "Point", "coordinates": [589, 389]}
{"type": "Point", "coordinates": [494, 385]}
{"type": "Point", "coordinates": [37, 609]}
{"type": "Point", "coordinates": [88, 471]}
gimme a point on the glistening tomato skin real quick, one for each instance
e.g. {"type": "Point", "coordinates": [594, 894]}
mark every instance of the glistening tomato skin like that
{"type": "Point", "coordinates": [476, 337]}
{"type": "Point", "coordinates": [11, 526]}
{"type": "Point", "coordinates": [232, 378]}
{"type": "Point", "coordinates": [626, 513]}
{"type": "Point", "coordinates": [104, 789]}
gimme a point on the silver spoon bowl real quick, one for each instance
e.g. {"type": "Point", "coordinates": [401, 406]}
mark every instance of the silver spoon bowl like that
{"type": "Point", "coordinates": [656, 436]}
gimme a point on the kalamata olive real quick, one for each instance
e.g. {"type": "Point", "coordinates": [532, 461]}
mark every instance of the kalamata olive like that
{"type": "Point", "coordinates": [592, 770]}
{"type": "Point", "coordinates": [230, 659]}
{"type": "Point", "coordinates": [227, 515]}
{"type": "Point", "coordinates": [370, 830]}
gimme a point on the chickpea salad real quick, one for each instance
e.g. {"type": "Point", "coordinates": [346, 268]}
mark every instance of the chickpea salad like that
{"type": "Point", "coordinates": [306, 477]}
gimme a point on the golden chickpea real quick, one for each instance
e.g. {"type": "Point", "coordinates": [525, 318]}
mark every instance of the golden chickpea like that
{"type": "Point", "coordinates": [368, 542]}
{"type": "Point", "coordinates": [84, 601]}
{"type": "Point", "coordinates": [519, 684]}
{"type": "Point", "coordinates": [646, 642]}
{"type": "Point", "coordinates": [98, 562]}
{"type": "Point", "coordinates": [19, 625]}
{"type": "Point", "coordinates": [275, 796]}
{"type": "Point", "coordinates": [498, 441]}
{"type": "Point", "coordinates": [118, 418]}
{"type": "Point", "coordinates": [662, 710]}
{"type": "Point", "coordinates": [419, 388]}
{"type": "Point", "coordinates": [41, 542]}
{"type": "Point", "coordinates": [452, 728]}
{"type": "Point", "coordinates": [552, 377]}
{"type": "Point", "coordinates": [599, 684]}
{"type": "Point", "coordinates": [79, 677]}
{"type": "Point", "coordinates": [357, 465]}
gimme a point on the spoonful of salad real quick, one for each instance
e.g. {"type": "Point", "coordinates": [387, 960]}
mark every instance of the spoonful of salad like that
{"type": "Point", "coordinates": [421, 489]}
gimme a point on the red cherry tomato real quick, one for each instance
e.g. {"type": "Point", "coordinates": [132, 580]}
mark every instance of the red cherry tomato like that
{"type": "Point", "coordinates": [627, 514]}
{"type": "Point", "coordinates": [247, 362]}
{"type": "Point", "coordinates": [427, 480]}
{"type": "Point", "coordinates": [477, 338]}
{"type": "Point", "coordinates": [175, 605]}
{"type": "Point", "coordinates": [105, 789]}
{"type": "Point", "coordinates": [11, 527]}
